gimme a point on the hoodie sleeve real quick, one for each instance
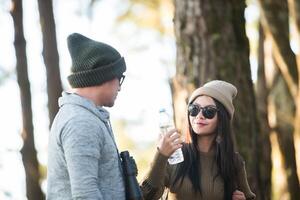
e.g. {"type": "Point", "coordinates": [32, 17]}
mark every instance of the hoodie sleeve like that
{"type": "Point", "coordinates": [82, 144]}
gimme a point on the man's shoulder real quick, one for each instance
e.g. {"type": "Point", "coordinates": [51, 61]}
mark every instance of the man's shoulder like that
{"type": "Point", "coordinates": [77, 113]}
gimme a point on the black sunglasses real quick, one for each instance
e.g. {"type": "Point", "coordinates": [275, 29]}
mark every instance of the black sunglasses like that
{"type": "Point", "coordinates": [121, 79]}
{"type": "Point", "coordinates": [208, 112]}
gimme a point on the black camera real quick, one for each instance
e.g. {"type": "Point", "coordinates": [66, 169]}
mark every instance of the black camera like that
{"type": "Point", "coordinates": [133, 191]}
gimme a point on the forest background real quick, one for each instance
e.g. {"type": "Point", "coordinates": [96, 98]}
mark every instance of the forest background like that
{"type": "Point", "coordinates": [171, 48]}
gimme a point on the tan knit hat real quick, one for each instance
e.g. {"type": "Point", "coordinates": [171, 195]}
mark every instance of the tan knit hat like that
{"type": "Point", "coordinates": [222, 91]}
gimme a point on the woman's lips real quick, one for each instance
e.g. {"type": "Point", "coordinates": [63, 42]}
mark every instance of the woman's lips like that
{"type": "Point", "coordinates": [201, 123]}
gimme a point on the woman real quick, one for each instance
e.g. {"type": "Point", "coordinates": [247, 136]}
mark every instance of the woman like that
{"type": "Point", "coordinates": [211, 169]}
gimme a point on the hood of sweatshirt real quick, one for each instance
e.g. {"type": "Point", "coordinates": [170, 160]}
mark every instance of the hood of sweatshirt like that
{"type": "Point", "coordinates": [75, 99]}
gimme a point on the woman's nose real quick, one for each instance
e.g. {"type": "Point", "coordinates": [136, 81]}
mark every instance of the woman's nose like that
{"type": "Point", "coordinates": [199, 115]}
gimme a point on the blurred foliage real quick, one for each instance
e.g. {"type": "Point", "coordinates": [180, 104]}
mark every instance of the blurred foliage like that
{"type": "Point", "coordinates": [155, 14]}
{"type": "Point", "coordinates": [142, 154]}
{"type": "Point", "coordinates": [43, 172]}
{"type": "Point", "coordinates": [4, 75]}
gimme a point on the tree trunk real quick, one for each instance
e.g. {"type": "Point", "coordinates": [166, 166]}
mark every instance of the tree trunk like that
{"type": "Point", "coordinates": [285, 110]}
{"type": "Point", "coordinates": [50, 55]}
{"type": "Point", "coordinates": [286, 92]}
{"type": "Point", "coordinates": [262, 93]}
{"type": "Point", "coordinates": [28, 151]}
{"type": "Point", "coordinates": [212, 44]}
{"type": "Point", "coordinates": [295, 10]}
{"type": "Point", "coordinates": [276, 21]}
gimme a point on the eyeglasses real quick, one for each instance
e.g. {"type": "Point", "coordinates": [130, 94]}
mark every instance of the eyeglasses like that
{"type": "Point", "coordinates": [208, 112]}
{"type": "Point", "coordinates": [121, 79]}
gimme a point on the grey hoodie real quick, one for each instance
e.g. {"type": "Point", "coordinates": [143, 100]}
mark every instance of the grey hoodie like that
{"type": "Point", "coordinates": [83, 160]}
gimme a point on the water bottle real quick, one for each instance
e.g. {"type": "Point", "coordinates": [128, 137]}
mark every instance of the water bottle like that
{"type": "Point", "coordinates": [165, 124]}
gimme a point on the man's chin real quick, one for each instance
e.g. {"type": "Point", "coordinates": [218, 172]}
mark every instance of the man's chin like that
{"type": "Point", "coordinates": [110, 104]}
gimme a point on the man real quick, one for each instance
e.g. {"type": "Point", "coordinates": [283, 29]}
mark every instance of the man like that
{"type": "Point", "coordinates": [83, 160]}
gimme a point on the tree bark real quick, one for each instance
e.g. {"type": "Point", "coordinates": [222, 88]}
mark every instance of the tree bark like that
{"type": "Point", "coordinates": [212, 44]}
{"type": "Point", "coordinates": [276, 21]}
{"type": "Point", "coordinates": [295, 10]}
{"type": "Point", "coordinates": [262, 93]}
{"type": "Point", "coordinates": [28, 151]}
{"type": "Point", "coordinates": [286, 92]}
{"type": "Point", "coordinates": [285, 110]}
{"type": "Point", "coordinates": [50, 55]}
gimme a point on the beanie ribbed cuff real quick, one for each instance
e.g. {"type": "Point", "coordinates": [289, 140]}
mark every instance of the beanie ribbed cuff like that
{"type": "Point", "coordinates": [98, 75]}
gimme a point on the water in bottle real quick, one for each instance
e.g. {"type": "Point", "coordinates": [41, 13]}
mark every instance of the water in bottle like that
{"type": "Point", "coordinates": [165, 124]}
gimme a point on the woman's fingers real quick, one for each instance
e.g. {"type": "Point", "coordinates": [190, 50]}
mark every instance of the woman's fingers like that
{"type": "Point", "coordinates": [170, 132]}
{"type": "Point", "coordinates": [169, 142]}
{"type": "Point", "coordinates": [175, 139]}
{"type": "Point", "coordinates": [238, 195]}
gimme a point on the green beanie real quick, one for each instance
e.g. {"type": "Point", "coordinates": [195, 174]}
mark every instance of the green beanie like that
{"type": "Point", "coordinates": [93, 63]}
{"type": "Point", "coordinates": [222, 91]}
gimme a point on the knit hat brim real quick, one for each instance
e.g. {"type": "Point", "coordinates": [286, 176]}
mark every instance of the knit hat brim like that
{"type": "Point", "coordinates": [97, 76]}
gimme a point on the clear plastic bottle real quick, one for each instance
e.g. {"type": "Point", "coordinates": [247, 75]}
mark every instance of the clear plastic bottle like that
{"type": "Point", "coordinates": [165, 124]}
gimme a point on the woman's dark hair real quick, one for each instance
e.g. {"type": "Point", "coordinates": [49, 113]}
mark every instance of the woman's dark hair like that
{"type": "Point", "coordinates": [224, 156]}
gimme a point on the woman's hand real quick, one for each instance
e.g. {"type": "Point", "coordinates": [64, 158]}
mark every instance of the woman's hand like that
{"type": "Point", "coordinates": [169, 142]}
{"type": "Point", "coordinates": [238, 195]}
